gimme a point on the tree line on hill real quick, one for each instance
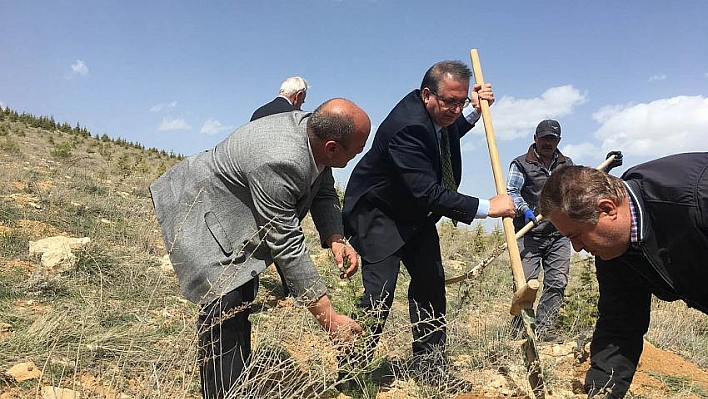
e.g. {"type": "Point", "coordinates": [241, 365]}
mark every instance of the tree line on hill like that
{"type": "Point", "coordinates": [48, 123]}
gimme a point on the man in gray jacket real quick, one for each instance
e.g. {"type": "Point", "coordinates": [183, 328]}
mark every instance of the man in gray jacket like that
{"type": "Point", "coordinates": [227, 213]}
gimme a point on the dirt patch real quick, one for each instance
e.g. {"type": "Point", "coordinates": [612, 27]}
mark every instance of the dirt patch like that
{"type": "Point", "coordinates": [24, 265]}
{"type": "Point", "coordinates": [33, 306]}
{"type": "Point", "coordinates": [658, 369]}
{"type": "Point", "coordinates": [660, 374]}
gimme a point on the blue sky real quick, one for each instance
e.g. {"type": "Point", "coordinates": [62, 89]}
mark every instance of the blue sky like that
{"type": "Point", "coordinates": [181, 75]}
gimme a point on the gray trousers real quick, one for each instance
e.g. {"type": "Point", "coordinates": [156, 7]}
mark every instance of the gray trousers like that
{"type": "Point", "coordinates": [553, 254]}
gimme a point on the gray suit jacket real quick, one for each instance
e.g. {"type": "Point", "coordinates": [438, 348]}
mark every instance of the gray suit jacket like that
{"type": "Point", "coordinates": [227, 213]}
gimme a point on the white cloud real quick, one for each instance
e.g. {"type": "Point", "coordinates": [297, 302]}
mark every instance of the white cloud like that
{"type": "Point", "coordinates": [160, 107]}
{"type": "Point", "coordinates": [647, 130]}
{"type": "Point", "coordinates": [79, 68]}
{"type": "Point", "coordinates": [2, 105]}
{"type": "Point", "coordinates": [515, 118]}
{"type": "Point", "coordinates": [173, 124]}
{"type": "Point", "coordinates": [655, 78]}
{"type": "Point", "coordinates": [212, 126]}
{"type": "Point", "coordinates": [579, 152]}
{"type": "Point", "coordinates": [467, 145]}
{"type": "Point", "coordinates": [658, 128]}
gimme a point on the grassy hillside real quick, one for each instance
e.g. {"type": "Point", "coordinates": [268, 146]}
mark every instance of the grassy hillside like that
{"type": "Point", "coordinates": [113, 323]}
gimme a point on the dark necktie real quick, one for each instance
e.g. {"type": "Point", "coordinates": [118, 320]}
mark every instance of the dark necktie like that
{"type": "Point", "coordinates": [446, 162]}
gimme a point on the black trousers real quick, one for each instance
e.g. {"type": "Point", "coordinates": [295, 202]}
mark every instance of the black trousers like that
{"type": "Point", "coordinates": [224, 340]}
{"type": "Point", "coordinates": [426, 292]}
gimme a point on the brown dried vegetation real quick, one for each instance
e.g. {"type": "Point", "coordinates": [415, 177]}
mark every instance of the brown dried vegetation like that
{"type": "Point", "coordinates": [115, 326]}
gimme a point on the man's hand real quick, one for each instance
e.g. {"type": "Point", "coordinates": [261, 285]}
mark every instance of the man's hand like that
{"type": "Point", "coordinates": [615, 162]}
{"type": "Point", "coordinates": [346, 257]}
{"type": "Point", "coordinates": [482, 92]}
{"type": "Point", "coordinates": [530, 217]}
{"type": "Point", "coordinates": [501, 206]}
{"type": "Point", "coordinates": [341, 328]}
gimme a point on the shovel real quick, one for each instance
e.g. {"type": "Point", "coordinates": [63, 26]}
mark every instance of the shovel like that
{"type": "Point", "coordinates": [477, 270]}
{"type": "Point", "coordinates": [525, 292]}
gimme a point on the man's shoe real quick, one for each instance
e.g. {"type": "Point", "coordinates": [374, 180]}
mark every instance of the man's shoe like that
{"type": "Point", "coordinates": [345, 386]}
{"type": "Point", "coordinates": [550, 337]}
{"type": "Point", "coordinates": [346, 383]}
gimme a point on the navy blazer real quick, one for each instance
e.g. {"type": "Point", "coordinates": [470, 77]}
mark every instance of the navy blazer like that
{"type": "Point", "coordinates": [397, 185]}
{"type": "Point", "coordinates": [277, 106]}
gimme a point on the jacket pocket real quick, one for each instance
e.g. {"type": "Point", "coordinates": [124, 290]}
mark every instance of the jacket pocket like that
{"type": "Point", "coordinates": [217, 231]}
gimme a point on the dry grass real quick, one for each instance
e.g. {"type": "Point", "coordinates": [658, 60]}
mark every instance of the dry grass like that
{"type": "Point", "coordinates": [115, 326]}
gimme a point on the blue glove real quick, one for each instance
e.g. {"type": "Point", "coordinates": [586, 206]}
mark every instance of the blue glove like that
{"type": "Point", "coordinates": [529, 216]}
{"type": "Point", "coordinates": [615, 162]}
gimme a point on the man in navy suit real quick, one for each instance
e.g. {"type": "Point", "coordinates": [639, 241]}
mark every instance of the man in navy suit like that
{"type": "Point", "coordinates": [291, 97]}
{"type": "Point", "coordinates": [398, 191]}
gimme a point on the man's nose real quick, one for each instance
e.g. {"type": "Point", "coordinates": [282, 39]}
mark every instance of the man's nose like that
{"type": "Point", "coordinates": [577, 245]}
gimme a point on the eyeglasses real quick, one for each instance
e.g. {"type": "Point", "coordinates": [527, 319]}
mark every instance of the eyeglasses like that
{"type": "Point", "coordinates": [451, 103]}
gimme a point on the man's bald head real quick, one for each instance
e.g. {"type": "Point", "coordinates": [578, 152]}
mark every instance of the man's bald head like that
{"type": "Point", "coordinates": [338, 130]}
{"type": "Point", "coordinates": [337, 119]}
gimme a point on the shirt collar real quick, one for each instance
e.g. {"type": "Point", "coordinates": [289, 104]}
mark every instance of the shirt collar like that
{"type": "Point", "coordinates": [315, 169]}
{"type": "Point", "coordinates": [554, 157]}
{"type": "Point", "coordinates": [635, 213]}
{"type": "Point", "coordinates": [286, 99]}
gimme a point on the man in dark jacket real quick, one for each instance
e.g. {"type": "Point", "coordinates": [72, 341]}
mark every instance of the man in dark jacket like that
{"type": "Point", "coordinates": [292, 95]}
{"type": "Point", "coordinates": [648, 232]}
{"type": "Point", "coordinates": [542, 246]}
{"type": "Point", "coordinates": [290, 98]}
{"type": "Point", "coordinates": [401, 188]}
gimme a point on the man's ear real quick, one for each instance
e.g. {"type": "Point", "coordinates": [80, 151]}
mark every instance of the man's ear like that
{"type": "Point", "coordinates": [425, 94]}
{"type": "Point", "coordinates": [330, 148]}
{"type": "Point", "coordinates": [608, 207]}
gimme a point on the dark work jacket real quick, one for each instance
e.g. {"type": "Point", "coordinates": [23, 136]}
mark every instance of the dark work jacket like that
{"type": "Point", "coordinates": [277, 106]}
{"type": "Point", "coordinates": [535, 176]}
{"type": "Point", "coordinates": [670, 261]}
{"type": "Point", "coordinates": [397, 185]}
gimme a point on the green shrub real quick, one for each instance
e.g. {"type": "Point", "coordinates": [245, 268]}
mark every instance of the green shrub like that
{"type": "Point", "coordinates": [12, 246]}
{"type": "Point", "coordinates": [94, 260]}
{"type": "Point", "coordinates": [9, 214]}
{"type": "Point", "coordinates": [61, 150]}
{"type": "Point", "coordinates": [579, 311]}
{"type": "Point", "coordinates": [10, 146]}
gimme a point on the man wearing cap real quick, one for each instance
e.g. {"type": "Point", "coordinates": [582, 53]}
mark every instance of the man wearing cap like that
{"type": "Point", "coordinates": [543, 246]}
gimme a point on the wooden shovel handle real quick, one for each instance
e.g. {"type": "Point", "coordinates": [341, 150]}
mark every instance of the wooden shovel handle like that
{"type": "Point", "coordinates": [525, 293]}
